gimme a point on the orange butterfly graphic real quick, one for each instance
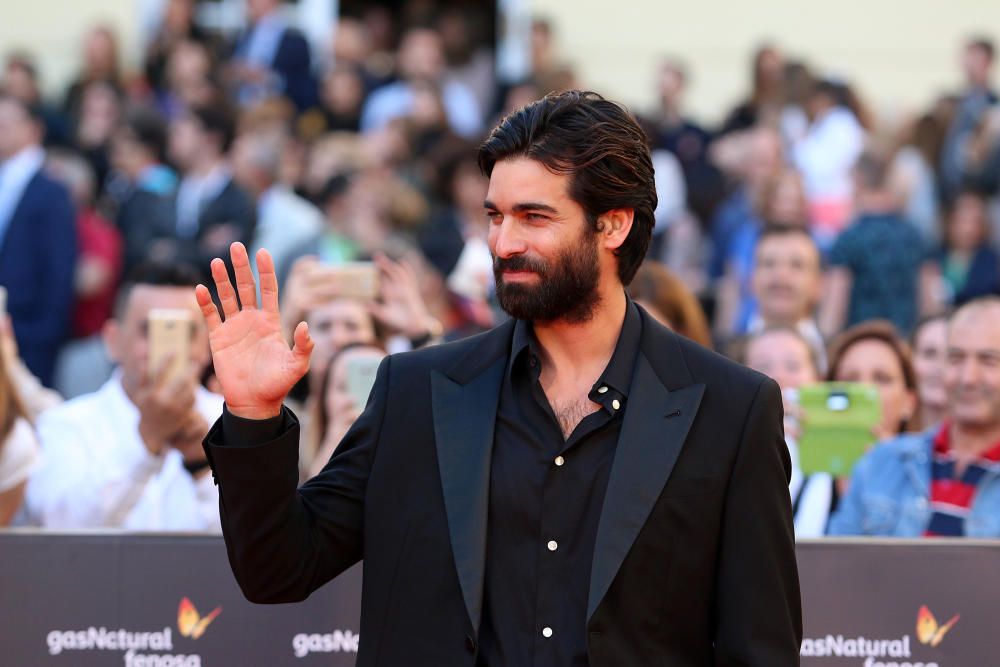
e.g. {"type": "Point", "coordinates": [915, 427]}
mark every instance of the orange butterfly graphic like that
{"type": "Point", "coordinates": [190, 623]}
{"type": "Point", "coordinates": [928, 630]}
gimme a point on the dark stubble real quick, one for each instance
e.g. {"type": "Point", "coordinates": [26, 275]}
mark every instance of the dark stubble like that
{"type": "Point", "coordinates": [566, 289]}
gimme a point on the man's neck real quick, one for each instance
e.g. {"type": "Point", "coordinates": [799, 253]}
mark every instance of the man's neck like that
{"type": "Point", "coordinates": [205, 166]}
{"type": "Point", "coordinates": [969, 441]}
{"type": "Point", "coordinates": [579, 348]}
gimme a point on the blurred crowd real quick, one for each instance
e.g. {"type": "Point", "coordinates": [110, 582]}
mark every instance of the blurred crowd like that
{"type": "Point", "coordinates": [804, 236]}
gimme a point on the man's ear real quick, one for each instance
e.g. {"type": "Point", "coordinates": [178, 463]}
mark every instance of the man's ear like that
{"type": "Point", "coordinates": [615, 226]}
{"type": "Point", "coordinates": [111, 334]}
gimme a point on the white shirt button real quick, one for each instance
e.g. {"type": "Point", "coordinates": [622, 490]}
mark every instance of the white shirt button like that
{"type": "Point", "coordinates": [616, 404]}
{"type": "Point", "coordinates": [602, 390]}
{"type": "Point", "coordinates": [553, 545]}
{"type": "Point", "coordinates": [560, 460]}
{"type": "Point", "coordinates": [546, 632]}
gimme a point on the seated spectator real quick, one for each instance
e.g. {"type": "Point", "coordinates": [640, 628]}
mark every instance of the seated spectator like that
{"type": "Point", "coordinates": [141, 187]}
{"type": "Point", "coordinates": [18, 446]}
{"type": "Point", "coordinates": [940, 482]}
{"type": "Point", "coordinates": [876, 261]}
{"type": "Point", "coordinates": [99, 265]}
{"type": "Point", "coordinates": [100, 114]}
{"type": "Point", "coordinates": [781, 202]}
{"type": "Point", "coordinates": [211, 211]}
{"type": "Point", "coordinates": [825, 156]}
{"type": "Point", "coordinates": [873, 353]}
{"type": "Point", "coordinates": [965, 266]}
{"type": "Point", "coordinates": [788, 358]}
{"type": "Point", "coordinates": [786, 282]}
{"type": "Point", "coordinates": [421, 58]}
{"type": "Point", "coordinates": [20, 80]}
{"type": "Point", "coordinates": [176, 27]}
{"type": "Point", "coordinates": [38, 246]}
{"type": "Point", "coordinates": [870, 353]}
{"type": "Point", "coordinates": [930, 343]}
{"type": "Point", "coordinates": [337, 408]}
{"type": "Point", "coordinates": [753, 159]}
{"type": "Point", "coordinates": [99, 62]}
{"type": "Point", "coordinates": [272, 57]}
{"type": "Point", "coordinates": [285, 221]}
{"type": "Point", "coordinates": [668, 300]}
{"type": "Point", "coordinates": [130, 455]}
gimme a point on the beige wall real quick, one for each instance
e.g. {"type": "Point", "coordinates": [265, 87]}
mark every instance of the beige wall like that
{"type": "Point", "coordinates": [899, 53]}
{"type": "Point", "coordinates": [53, 30]}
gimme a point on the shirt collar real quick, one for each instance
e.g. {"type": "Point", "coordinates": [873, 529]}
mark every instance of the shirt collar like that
{"type": "Point", "coordinates": [617, 375]}
{"type": "Point", "coordinates": [21, 166]}
{"type": "Point", "coordinates": [942, 445]}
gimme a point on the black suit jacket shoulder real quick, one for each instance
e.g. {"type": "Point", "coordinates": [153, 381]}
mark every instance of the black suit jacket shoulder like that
{"type": "Point", "coordinates": [694, 560]}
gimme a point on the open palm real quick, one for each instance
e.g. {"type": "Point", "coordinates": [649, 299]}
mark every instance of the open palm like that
{"type": "Point", "coordinates": [253, 362]}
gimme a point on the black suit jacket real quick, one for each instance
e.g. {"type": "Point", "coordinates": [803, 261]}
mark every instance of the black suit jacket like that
{"type": "Point", "coordinates": [694, 562]}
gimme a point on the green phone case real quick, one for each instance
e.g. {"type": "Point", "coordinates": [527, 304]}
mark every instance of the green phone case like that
{"type": "Point", "coordinates": [838, 427]}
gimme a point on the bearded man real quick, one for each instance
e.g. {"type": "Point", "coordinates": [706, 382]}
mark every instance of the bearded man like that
{"type": "Point", "coordinates": [579, 486]}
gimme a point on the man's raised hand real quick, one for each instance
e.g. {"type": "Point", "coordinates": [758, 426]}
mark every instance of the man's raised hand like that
{"type": "Point", "coordinates": [252, 359]}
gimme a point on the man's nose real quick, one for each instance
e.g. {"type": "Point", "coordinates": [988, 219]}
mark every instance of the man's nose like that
{"type": "Point", "coordinates": [507, 239]}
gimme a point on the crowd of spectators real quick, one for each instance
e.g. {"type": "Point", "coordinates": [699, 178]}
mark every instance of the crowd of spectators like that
{"type": "Point", "coordinates": [803, 236]}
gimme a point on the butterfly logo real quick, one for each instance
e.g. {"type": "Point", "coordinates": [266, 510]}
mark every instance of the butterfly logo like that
{"type": "Point", "coordinates": [928, 630]}
{"type": "Point", "coordinates": [190, 623]}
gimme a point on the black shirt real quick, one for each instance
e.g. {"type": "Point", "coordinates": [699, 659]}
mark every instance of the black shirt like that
{"type": "Point", "coordinates": [546, 493]}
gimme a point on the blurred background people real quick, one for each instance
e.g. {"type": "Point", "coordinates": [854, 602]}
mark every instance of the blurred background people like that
{"type": "Point", "coordinates": [940, 482]}
{"type": "Point", "coordinates": [129, 455]}
{"type": "Point", "coordinates": [930, 345]}
{"type": "Point", "coordinates": [38, 243]}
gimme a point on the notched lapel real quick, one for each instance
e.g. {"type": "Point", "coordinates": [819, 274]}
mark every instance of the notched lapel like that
{"type": "Point", "coordinates": [464, 419]}
{"type": "Point", "coordinates": [655, 425]}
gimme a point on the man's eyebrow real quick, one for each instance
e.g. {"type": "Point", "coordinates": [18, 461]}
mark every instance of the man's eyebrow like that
{"type": "Point", "coordinates": [522, 207]}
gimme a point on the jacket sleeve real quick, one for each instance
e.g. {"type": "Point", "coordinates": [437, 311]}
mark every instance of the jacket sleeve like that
{"type": "Point", "coordinates": [285, 542]}
{"type": "Point", "coordinates": [56, 224]}
{"type": "Point", "coordinates": [757, 607]}
{"type": "Point", "coordinates": [849, 518]}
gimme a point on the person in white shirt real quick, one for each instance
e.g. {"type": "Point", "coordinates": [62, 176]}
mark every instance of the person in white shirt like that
{"type": "Point", "coordinates": [129, 455]}
{"type": "Point", "coordinates": [18, 445]}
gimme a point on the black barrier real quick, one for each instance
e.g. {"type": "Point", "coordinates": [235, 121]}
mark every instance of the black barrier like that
{"type": "Point", "coordinates": [139, 600]}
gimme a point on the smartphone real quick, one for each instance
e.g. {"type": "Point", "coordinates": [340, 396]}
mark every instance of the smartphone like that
{"type": "Point", "coordinates": [170, 336]}
{"type": "Point", "coordinates": [360, 372]}
{"type": "Point", "coordinates": [836, 429]}
{"type": "Point", "coordinates": [353, 280]}
{"type": "Point", "coordinates": [3, 299]}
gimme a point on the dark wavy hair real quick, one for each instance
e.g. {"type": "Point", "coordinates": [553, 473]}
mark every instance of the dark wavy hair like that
{"type": "Point", "coordinates": [600, 146]}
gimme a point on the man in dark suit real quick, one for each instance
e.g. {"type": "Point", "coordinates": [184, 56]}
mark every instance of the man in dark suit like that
{"type": "Point", "coordinates": [211, 210]}
{"type": "Point", "coordinates": [38, 244]}
{"type": "Point", "coordinates": [579, 486]}
{"type": "Point", "coordinates": [272, 57]}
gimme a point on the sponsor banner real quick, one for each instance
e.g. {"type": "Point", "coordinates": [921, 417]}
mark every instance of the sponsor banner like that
{"type": "Point", "coordinates": [171, 601]}
{"type": "Point", "coordinates": [868, 603]}
{"type": "Point", "coordinates": [158, 601]}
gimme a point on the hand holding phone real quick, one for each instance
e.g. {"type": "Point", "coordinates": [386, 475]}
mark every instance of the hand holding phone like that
{"type": "Point", "coordinates": [836, 425]}
{"type": "Point", "coordinates": [169, 331]}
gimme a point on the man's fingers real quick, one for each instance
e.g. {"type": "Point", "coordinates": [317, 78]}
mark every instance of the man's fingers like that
{"type": "Point", "coordinates": [227, 297]}
{"type": "Point", "coordinates": [268, 281]}
{"type": "Point", "coordinates": [244, 276]}
{"type": "Point", "coordinates": [208, 309]}
{"type": "Point", "coordinates": [302, 344]}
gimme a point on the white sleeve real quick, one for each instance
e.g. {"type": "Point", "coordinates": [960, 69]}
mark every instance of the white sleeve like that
{"type": "Point", "coordinates": [18, 455]}
{"type": "Point", "coordinates": [84, 482]}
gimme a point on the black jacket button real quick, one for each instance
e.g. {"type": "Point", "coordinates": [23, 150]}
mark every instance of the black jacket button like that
{"type": "Point", "coordinates": [470, 644]}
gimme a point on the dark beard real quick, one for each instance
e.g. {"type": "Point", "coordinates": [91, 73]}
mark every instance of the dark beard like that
{"type": "Point", "coordinates": [566, 290]}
